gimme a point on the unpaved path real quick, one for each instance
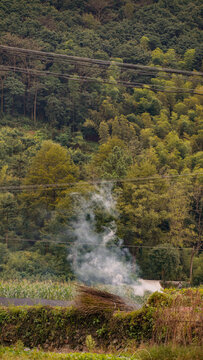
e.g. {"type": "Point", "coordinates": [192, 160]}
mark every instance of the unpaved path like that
{"type": "Point", "coordinates": [30, 302]}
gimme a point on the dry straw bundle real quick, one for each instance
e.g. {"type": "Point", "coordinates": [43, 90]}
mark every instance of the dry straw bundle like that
{"type": "Point", "coordinates": [90, 300]}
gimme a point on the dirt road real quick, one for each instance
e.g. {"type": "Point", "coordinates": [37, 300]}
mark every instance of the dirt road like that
{"type": "Point", "coordinates": [20, 302]}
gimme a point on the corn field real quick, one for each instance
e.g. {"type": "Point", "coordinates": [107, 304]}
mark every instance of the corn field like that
{"type": "Point", "coordinates": [37, 290]}
{"type": "Point", "coordinates": [51, 290]}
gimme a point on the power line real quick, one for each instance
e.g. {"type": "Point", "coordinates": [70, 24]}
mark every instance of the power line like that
{"type": "Point", "coordinates": [97, 66]}
{"type": "Point", "coordinates": [153, 87]}
{"type": "Point", "coordinates": [82, 64]}
{"type": "Point", "coordinates": [98, 61]}
{"type": "Point", "coordinates": [64, 243]}
{"type": "Point", "coordinates": [58, 186]}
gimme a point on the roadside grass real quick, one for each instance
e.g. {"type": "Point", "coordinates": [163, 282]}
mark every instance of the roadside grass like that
{"type": "Point", "coordinates": [168, 352]}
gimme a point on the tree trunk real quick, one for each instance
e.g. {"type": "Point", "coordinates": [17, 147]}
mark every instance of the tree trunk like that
{"type": "Point", "coordinates": [24, 104]}
{"type": "Point", "coordinates": [24, 100]}
{"type": "Point", "coordinates": [35, 107]}
{"type": "Point", "coordinates": [191, 263]}
{"type": "Point", "coordinates": [2, 96]}
{"type": "Point", "coordinates": [13, 102]}
{"type": "Point", "coordinates": [6, 239]}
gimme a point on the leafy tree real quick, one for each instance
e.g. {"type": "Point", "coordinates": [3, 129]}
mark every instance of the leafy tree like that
{"type": "Point", "coordinates": [8, 215]}
{"type": "Point", "coordinates": [198, 270]}
{"type": "Point", "coordinates": [90, 21]}
{"type": "Point", "coordinates": [197, 221]}
{"type": "Point", "coordinates": [30, 265]}
{"type": "Point", "coordinates": [144, 101]}
{"type": "Point", "coordinates": [178, 210]}
{"type": "Point", "coordinates": [99, 7]}
{"type": "Point", "coordinates": [51, 165]}
{"type": "Point", "coordinates": [158, 57]}
{"type": "Point", "coordinates": [128, 9]}
{"type": "Point", "coordinates": [122, 129]}
{"type": "Point", "coordinates": [162, 127]}
{"type": "Point", "coordinates": [170, 58]}
{"type": "Point", "coordinates": [164, 261]}
{"type": "Point", "coordinates": [103, 132]}
{"type": "Point", "coordinates": [16, 149]}
{"type": "Point", "coordinates": [142, 207]}
{"type": "Point", "coordinates": [189, 57]}
{"type": "Point", "coordinates": [94, 168]}
{"type": "Point", "coordinates": [3, 254]}
{"type": "Point", "coordinates": [144, 42]}
{"type": "Point", "coordinates": [116, 164]}
{"type": "Point", "coordinates": [4, 176]}
{"type": "Point", "coordinates": [14, 88]}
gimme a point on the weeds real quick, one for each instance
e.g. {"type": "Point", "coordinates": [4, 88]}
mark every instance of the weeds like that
{"type": "Point", "coordinates": [145, 353]}
{"type": "Point", "coordinates": [181, 322]}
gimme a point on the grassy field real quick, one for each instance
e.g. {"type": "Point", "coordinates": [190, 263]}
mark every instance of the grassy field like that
{"type": "Point", "coordinates": [143, 353]}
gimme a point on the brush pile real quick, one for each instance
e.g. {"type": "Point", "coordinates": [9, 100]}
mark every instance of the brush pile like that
{"type": "Point", "coordinates": [90, 301]}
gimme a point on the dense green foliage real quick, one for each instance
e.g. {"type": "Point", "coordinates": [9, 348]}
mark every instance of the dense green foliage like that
{"type": "Point", "coordinates": [56, 130]}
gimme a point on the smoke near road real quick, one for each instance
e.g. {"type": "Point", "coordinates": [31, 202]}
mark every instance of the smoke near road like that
{"type": "Point", "coordinates": [97, 255]}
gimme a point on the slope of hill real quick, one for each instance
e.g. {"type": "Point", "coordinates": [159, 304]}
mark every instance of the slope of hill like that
{"type": "Point", "coordinates": [62, 127]}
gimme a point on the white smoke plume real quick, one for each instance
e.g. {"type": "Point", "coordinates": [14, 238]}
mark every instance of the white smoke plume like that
{"type": "Point", "coordinates": [98, 257]}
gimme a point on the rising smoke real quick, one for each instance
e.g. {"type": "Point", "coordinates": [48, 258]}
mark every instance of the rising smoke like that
{"type": "Point", "coordinates": [97, 255]}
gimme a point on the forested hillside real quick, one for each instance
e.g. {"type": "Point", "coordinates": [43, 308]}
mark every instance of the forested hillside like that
{"type": "Point", "coordinates": [67, 121]}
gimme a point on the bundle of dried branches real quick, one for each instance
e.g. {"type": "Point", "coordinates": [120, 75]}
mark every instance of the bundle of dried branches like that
{"type": "Point", "coordinates": [91, 300]}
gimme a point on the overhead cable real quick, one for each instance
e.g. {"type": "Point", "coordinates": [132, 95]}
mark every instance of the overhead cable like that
{"type": "Point", "coordinates": [58, 186]}
{"type": "Point", "coordinates": [102, 81]}
{"type": "Point", "coordinates": [98, 61]}
{"type": "Point", "coordinates": [62, 243]}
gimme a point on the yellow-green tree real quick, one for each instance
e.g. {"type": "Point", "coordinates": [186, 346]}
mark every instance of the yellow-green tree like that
{"type": "Point", "coordinates": [50, 168]}
{"type": "Point", "coordinates": [123, 129]}
{"type": "Point", "coordinates": [94, 168]}
{"type": "Point", "coordinates": [142, 206]}
{"type": "Point", "coordinates": [103, 132]}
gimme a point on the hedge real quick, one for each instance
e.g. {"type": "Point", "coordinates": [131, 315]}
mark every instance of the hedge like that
{"type": "Point", "coordinates": [55, 327]}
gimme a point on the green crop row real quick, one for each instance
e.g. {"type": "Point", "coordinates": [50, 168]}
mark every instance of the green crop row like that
{"type": "Point", "coordinates": [58, 290]}
{"type": "Point", "coordinates": [37, 290]}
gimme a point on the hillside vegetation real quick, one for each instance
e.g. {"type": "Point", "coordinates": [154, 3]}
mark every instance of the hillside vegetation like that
{"type": "Point", "coordinates": [59, 130]}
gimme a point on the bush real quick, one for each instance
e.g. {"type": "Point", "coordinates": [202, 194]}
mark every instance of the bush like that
{"type": "Point", "coordinates": [31, 265]}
